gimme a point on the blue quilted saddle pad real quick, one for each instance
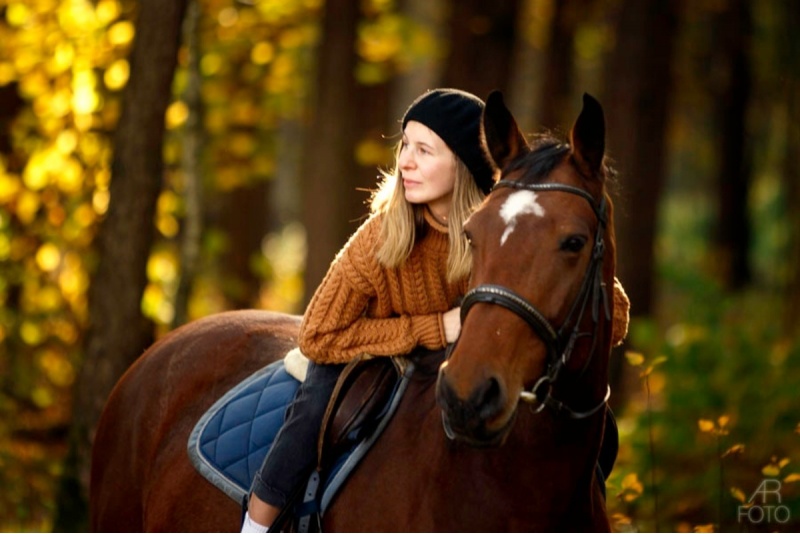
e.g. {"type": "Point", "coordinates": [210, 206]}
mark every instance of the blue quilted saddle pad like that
{"type": "Point", "coordinates": [229, 443]}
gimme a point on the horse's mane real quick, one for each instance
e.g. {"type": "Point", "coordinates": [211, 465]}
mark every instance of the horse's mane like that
{"type": "Point", "coordinates": [546, 153]}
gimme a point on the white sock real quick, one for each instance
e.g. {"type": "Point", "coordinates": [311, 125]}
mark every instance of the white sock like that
{"type": "Point", "coordinates": [251, 526]}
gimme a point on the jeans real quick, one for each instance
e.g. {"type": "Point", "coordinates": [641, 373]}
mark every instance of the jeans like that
{"type": "Point", "coordinates": [293, 455]}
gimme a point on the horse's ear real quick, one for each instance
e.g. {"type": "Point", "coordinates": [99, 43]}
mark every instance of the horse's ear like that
{"type": "Point", "coordinates": [588, 137]}
{"type": "Point", "coordinates": [501, 137]}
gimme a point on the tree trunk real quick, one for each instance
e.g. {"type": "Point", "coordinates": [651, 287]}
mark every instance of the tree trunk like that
{"type": "Point", "coordinates": [193, 141]}
{"type": "Point", "coordinates": [636, 99]}
{"type": "Point", "coordinates": [118, 332]}
{"type": "Point", "coordinates": [637, 92]}
{"type": "Point", "coordinates": [482, 43]}
{"type": "Point", "coordinates": [733, 234]}
{"type": "Point", "coordinates": [556, 107]}
{"type": "Point", "coordinates": [329, 163]}
{"type": "Point", "coordinates": [243, 217]}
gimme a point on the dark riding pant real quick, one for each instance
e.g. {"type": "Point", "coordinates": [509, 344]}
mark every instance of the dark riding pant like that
{"type": "Point", "coordinates": [293, 455]}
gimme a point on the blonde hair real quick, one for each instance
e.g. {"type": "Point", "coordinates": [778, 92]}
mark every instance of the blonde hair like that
{"type": "Point", "coordinates": [402, 221]}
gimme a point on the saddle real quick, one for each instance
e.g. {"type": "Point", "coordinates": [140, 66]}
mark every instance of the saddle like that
{"type": "Point", "coordinates": [230, 441]}
{"type": "Point", "coordinates": [359, 401]}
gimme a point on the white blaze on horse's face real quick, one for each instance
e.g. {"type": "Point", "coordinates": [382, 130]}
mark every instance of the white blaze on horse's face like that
{"type": "Point", "coordinates": [517, 204]}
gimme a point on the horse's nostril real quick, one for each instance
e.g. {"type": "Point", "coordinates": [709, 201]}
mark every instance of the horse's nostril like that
{"type": "Point", "coordinates": [485, 402]}
{"type": "Point", "coordinates": [488, 400]}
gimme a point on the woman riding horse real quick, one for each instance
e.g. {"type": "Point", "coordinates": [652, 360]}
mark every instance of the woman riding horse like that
{"type": "Point", "coordinates": [543, 475]}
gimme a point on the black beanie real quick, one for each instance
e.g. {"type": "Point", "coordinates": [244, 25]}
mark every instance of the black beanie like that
{"type": "Point", "coordinates": [455, 116]}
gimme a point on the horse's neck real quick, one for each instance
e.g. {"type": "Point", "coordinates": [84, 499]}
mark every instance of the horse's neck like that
{"type": "Point", "coordinates": [416, 479]}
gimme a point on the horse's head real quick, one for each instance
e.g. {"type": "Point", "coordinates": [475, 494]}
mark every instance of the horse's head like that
{"type": "Point", "coordinates": [535, 323]}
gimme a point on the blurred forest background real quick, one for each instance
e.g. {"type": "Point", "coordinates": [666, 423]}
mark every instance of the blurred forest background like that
{"type": "Point", "coordinates": [162, 160]}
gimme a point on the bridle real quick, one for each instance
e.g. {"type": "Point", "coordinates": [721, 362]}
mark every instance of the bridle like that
{"type": "Point", "coordinates": [559, 341]}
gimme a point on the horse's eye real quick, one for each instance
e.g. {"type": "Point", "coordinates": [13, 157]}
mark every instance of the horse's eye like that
{"type": "Point", "coordinates": [573, 243]}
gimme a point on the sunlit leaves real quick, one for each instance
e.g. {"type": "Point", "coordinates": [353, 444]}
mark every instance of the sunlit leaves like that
{"type": "Point", "coordinates": [734, 450]}
{"type": "Point", "coordinates": [177, 113]}
{"type": "Point", "coordinates": [48, 257]}
{"type": "Point", "coordinates": [68, 63]}
{"type": "Point", "coordinates": [121, 33]}
{"type": "Point", "coordinates": [774, 467]}
{"type": "Point", "coordinates": [390, 43]}
{"type": "Point", "coordinates": [63, 61]}
{"type": "Point", "coordinates": [381, 40]}
{"type": "Point", "coordinates": [631, 488]}
{"type": "Point", "coordinates": [285, 253]}
{"type": "Point", "coordinates": [116, 76]}
{"type": "Point", "coordinates": [716, 428]}
{"type": "Point", "coordinates": [738, 494]}
{"type": "Point", "coordinates": [634, 358]}
{"type": "Point", "coordinates": [372, 153]}
{"type": "Point", "coordinates": [162, 274]}
{"type": "Point", "coordinates": [167, 209]}
{"type": "Point", "coordinates": [637, 359]}
{"type": "Point", "coordinates": [262, 53]}
{"type": "Point", "coordinates": [57, 368]}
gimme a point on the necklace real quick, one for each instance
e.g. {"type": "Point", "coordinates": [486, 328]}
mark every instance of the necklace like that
{"type": "Point", "coordinates": [440, 219]}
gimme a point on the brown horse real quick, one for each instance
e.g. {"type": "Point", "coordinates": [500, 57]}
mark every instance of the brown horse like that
{"type": "Point", "coordinates": [461, 453]}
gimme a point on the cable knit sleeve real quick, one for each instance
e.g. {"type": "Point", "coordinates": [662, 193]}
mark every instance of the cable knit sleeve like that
{"type": "Point", "coordinates": [621, 314]}
{"type": "Point", "coordinates": [336, 327]}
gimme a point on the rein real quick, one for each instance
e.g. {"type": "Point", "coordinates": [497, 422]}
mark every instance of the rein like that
{"type": "Point", "coordinates": [560, 342]}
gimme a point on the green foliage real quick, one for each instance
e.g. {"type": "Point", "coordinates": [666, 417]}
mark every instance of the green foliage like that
{"type": "Point", "coordinates": [722, 415]}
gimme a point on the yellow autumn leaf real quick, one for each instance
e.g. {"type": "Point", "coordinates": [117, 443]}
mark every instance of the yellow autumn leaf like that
{"type": "Point", "coordinates": [736, 449]}
{"type": "Point", "coordinates": [658, 360]}
{"type": "Point", "coordinates": [634, 358]}
{"type": "Point", "coordinates": [632, 488]}
{"type": "Point", "coordinates": [709, 527]}
{"type": "Point", "coordinates": [117, 74]}
{"type": "Point", "coordinates": [771, 470]}
{"type": "Point", "coordinates": [783, 463]}
{"type": "Point", "coordinates": [794, 477]}
{"type": "Point", "coordinates": [177, 114]}
{"type": "Point", "coordinates": [48, 257]}
{"type": "Point", "coordinates": [9, 187]}
{"type": "Point", "coordinates": [121, 33]}
{"type": "Point", "coordinates": [619, 519]}
{"type": "Point", "coordinates": [723, 420]}
{"type": "Point", "coordinates": [705, 425]}
{"type": "Point", "coordinates": [738, 494]}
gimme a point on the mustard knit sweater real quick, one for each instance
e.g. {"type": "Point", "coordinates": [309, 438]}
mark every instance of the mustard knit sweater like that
{"type": "Point", "coordinates": [363, 307]}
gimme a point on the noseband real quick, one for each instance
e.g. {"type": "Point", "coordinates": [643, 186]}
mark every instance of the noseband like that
{"type": "Point", "coordinates": [559, 341]}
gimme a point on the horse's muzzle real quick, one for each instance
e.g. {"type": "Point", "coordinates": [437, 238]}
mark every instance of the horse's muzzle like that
{"type": "Point", "coordinates": [471, 420]}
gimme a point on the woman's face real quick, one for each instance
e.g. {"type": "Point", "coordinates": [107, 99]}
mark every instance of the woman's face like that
{"type": "Point", "coordinates": [427, 168]}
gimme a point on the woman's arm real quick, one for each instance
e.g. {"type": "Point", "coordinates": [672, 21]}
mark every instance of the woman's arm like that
{"type": "Point", "coordinates": [336, 327]}
{"type": "Point", "coordinates": [621, 317]}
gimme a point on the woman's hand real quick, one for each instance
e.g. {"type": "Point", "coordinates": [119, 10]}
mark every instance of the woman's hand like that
{"type": "Point", "coordinates": [452, 324]}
